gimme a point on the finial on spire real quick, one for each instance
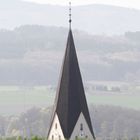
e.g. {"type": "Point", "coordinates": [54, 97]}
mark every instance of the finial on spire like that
{"type": "Point", "coordinates": [70, 20]}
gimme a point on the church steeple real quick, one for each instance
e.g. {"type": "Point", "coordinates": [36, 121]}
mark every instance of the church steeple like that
{"type": "Point", "coordinates": [71, 111]}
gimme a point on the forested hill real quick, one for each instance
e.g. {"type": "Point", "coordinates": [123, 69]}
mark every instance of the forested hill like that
{"type": "Point", "coordinates": [108, 122]}
{"type": "Point", "coordinates": [33, 54]}
{"type": "Point", "coordinates": [98, 19]}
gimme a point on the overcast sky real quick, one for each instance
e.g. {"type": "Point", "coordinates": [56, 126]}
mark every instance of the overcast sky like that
{"type": "Point", "coordinates": [124, 3]}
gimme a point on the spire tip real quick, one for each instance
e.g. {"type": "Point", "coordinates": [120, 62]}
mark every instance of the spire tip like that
{"type": "Point", "coordinates": [70, 20]}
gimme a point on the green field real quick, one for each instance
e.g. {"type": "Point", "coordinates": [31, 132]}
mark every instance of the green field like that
{"type": "Point", "coordinates": [14, 100]}
{"type": "Point", "coordinates": [126, 101]}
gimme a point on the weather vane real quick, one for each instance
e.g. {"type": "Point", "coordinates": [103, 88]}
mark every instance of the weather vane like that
{"type": "Point", "coordinates": [70, 20]}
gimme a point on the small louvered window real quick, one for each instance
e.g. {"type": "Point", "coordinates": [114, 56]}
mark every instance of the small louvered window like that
{"type": "Point", "coordinates": [81, 127]}
{"type": "Point", "coordinates": [56, 126]}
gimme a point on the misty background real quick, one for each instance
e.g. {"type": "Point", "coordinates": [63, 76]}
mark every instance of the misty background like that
{"type": "Point", "coordinates": [95, 19]}
{"type": "Point", "coordinates": [32, 45]}
{"type": "Point", "coordinates": [33, 54]}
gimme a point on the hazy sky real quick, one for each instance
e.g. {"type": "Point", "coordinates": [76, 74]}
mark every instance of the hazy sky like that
{"type": "Point", "coordinates": [123, 3]}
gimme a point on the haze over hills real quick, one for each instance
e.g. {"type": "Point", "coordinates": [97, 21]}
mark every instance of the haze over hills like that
{"type": "Point", "coordinates": [32, 44]}
{"type": "Point", "coordinates": [95, 19]}
{"type": "Point", "coordinates": [33, 55]}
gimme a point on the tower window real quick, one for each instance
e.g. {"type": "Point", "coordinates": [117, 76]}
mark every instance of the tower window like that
{"type": "Point", "coordinates": [56, 126]}
{"type": "Point", "coordinates": [81, 127]}
{"type": "Point", "coordinates": [59, 137]}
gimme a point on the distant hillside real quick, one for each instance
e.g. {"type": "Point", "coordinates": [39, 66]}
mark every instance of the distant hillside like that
{"type": "Point", "coordinates": [33, 55]}
{"type": "Point", "coordinates": [95, 19]}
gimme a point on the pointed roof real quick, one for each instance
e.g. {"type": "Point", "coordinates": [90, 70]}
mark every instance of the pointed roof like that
{"type": "Point", "coordinates": [71, 100]}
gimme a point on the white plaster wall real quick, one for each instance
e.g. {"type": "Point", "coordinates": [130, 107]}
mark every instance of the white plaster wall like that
{"type": "Point", "coordinates": [81, 134]}
{"type": "Point", "coordinates": [57, 133]}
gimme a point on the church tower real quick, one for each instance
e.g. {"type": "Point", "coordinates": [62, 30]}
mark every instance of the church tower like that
{"type": "Point", "coordinates": [71, 119]}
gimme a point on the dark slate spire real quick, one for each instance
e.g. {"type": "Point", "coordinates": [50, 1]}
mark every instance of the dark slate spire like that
{"type": "Point", "coordinates": [71, 100]}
